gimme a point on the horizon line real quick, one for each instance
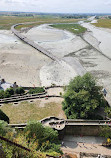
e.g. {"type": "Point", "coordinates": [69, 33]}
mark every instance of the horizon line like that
{"type": "Point", "coordinates": [54, 12]}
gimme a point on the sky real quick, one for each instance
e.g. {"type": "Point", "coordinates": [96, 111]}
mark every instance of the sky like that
{"type": "Point", "coordinates": [57, 6]}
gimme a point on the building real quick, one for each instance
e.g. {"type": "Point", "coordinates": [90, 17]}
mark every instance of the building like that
{"type": "Point", "coordinates": [4, 85]}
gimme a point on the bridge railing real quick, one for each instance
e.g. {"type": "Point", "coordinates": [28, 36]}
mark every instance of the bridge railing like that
{"type": "Point", "coordinates": [86, 121]}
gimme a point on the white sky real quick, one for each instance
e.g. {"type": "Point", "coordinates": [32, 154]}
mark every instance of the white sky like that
{"type": "Point", "coordinates": [60, 6]}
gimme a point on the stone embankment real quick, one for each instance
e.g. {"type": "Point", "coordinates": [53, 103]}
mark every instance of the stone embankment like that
{"type": "Point", "coordinates": [17, 98]}
{"type": "Point", "coordinates": [31, 43]}
{"type": "Point", "coordinates": [26, 97]}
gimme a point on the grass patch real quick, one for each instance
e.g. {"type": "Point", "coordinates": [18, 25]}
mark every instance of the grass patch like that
{"type": "Point", "coordinates": [26, 111]}
{"type": "Point", "coordinates": [74, 28]}
{"type": "Point", "coordinates": [19, 27]}
{"type": "Point", "coordinates": [7, 21]}
{"type": "Point", "coordinates": [106, 23]}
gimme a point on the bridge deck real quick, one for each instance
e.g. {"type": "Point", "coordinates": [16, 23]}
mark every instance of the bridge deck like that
{"type": "Point", "coordinates": [33, 44]}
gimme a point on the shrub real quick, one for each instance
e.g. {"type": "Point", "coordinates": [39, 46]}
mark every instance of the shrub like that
{"type": "Point", "coordinates": [7, 94]}
{"type": "Point", "coordinates": [36, 90]}
{"type": "Point", "coordinates": [1, 94]}
{"type": "Point", "coordinates": [10, 91]}
{"type": "Point", "coordinates": [19, 90]}
{"type": "Point", "coordinates": [3, 116]}
{"type": "Point", "coordinates": [3, 128]}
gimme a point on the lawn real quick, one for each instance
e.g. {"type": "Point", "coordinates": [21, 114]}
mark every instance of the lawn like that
{"type": "Point", "coordinates": [7, 21]}
{"type": "Point", "coordinates": [26, 111]}
{"type": "Point", "coordinates": [106, 23]}
{"type": "Point", "coordinates": [74, 28]}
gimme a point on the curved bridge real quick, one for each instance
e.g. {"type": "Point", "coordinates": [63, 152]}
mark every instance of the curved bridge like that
{"type": "Point", "coordinates": [31, 43]}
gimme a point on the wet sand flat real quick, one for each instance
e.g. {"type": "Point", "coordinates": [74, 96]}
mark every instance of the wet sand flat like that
{"type": "Point", "coordinates": [19, 62]}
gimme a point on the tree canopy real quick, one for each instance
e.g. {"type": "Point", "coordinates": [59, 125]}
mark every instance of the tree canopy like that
{"type": "Point", "coordinates": [41, 140]}
{"type": "Point", "coordinates": [41, 133]}
{"type": "Point", "coordinates": [82, 98]}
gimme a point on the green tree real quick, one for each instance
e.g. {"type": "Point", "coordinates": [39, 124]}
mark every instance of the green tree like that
{"type": "Point", "coordinates": [46, 137]}
{"type": "Point", "coordinates": [82, 98]}
{"type": "Point", "coordinates": [40, 132]}
{"type": "Point", "coordinates": [51, 135]}
{"type": "Point", "coordinates": [36, 129]}
{"type": "Point", "coordinates": [35, 132]}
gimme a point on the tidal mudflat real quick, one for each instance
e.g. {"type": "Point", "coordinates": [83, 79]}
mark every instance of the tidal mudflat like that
{"type": "Point", "coordinates": [20, 62]}
{"type": "Point", "coordinates": [77, 54]}
{"type": "Point", "coordinates": [70, 47]}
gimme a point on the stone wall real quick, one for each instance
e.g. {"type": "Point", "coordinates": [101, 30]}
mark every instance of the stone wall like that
{"type": "Point", "coordinates": [86, 130]}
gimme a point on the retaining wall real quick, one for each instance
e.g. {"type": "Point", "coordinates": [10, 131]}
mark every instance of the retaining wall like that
{"type": "Point", "coordinates": [82, 130]}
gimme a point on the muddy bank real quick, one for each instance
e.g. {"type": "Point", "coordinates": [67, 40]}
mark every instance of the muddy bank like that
{"type": "Point", "coordinates": [28, 67]}
{"type": "Point", "coordinates": [103, 37]}
{"type": "Point", "coordinates": [58, 42]}
{"type": "Point", "coordinates": [60, 73]}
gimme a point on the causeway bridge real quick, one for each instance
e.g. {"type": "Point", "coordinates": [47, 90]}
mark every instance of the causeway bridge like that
{"type": "Point", "coordinates": [31, 43]}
